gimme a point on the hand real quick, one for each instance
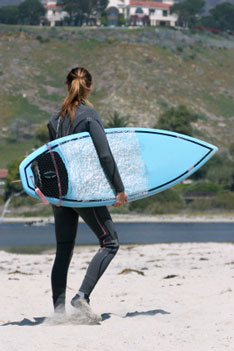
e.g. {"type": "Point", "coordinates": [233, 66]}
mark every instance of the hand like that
{"type": "Point", "coordinates": [121, 198]}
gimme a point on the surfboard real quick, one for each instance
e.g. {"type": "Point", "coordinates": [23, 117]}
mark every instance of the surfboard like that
{"type": "Point", "coordinates": [67, 170]}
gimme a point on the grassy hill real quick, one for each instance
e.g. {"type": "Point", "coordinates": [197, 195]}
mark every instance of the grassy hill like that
{"type": "Point", "coordinates": [137, 72]}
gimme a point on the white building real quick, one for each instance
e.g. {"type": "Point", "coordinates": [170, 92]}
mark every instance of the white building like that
{"type": "Point", "coordinates": [141, 13]}
{"type": "Point", "coordinates": [135, 12]}
{"type": "Point", "coordinates": [54, 13]}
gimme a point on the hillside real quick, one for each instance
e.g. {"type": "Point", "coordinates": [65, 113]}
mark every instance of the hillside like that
{"type": "Point", "coordinates": [138, 72]}
{"type": "Point", "coordinates": [212, 3]}
{"type": "Point", "coordinates": [10, 2]}
{"type": "Point", "coordinates": [209, 3]}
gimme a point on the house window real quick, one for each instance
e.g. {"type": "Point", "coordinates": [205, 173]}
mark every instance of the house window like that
{"type": "Point", "coordinates": [165, 13]}
{"type": "Point", "coordinates": [112, 15]}
{"type": "Point", "coordinates": [151, 12]}
{"type": "Point", "coordinates": [139, 10]}
{"type": "Point", "coordinates": [113, 12]}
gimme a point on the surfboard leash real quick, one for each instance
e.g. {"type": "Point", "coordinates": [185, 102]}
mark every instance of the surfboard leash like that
{"type": "Point", "coordinates": [39, 192]}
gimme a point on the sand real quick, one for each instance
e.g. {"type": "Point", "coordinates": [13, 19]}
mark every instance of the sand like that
{"type": "Point", "coordinates": [171, 297]}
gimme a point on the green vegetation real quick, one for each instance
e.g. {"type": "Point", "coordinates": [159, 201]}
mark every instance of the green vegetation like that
{"type": "Point", "coordinates": [28, 12]}
{"type": "Point", "coordinates": [117, 121]}
{"type": "Point", "coordinates": [179, 81]}
{"type": "Point", "coordinates": [189, 14]}
{"type": "Point", "coordinates": [42, 134]}
{"type": "Point", "coordinates": [13, 174]}
{"type": "Point", "coordinates": [169, 201]}
{"type": "Point", "coordinates": [220, 103]}
{"type": "Point", "coordinates": [187, 11]}
{"type": "Point", "coordinates": [178, 120]}
{"type": "Point", "coordinates": [83, 11]}
{"type": "Point", "coordinates": [11, 151]}
{"type": "Point", "coordinates": [221, 17]}
{"type": "Point", "coordinates": [9, 15]}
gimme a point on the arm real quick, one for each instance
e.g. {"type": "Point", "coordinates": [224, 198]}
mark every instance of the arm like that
{"type": "Point", "coordinates": [51, 132]}
{"type": "Point", "coordinates": [106, 158]}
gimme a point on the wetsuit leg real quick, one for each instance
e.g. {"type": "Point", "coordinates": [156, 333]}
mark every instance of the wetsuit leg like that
{"type": "Point", "coordinates": [66, 221]}
{"type": "Point", "coordinates": [100, 222]}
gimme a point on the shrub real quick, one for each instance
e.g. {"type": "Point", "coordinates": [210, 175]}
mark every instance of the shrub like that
{"type": "Point", "coordinates": [223, 201]}
{"type": "Point", "coordinates": [177, 119]}
{"type": "Point", "coordinates": [168, 201]}
{"type": "Point", "coordinates": [117, 121]}
{"type": "Point", "coordinates": [201, 189]}
{"type": "Point", "coordinates": [23, 201]}
{"type": "Point", "coordinates": [42, 133]}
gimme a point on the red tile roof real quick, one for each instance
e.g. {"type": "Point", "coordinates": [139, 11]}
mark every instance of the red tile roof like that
{"type": "Point", "coordinates": [149, 4]}
{"type": "Point", "coordinates": [3, 173]}
{"type": "Point", "coordinates": [52, 7]}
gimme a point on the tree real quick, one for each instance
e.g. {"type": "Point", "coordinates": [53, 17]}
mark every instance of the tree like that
{"type": "Point", "coordinates": [121, 20]}
{"type": "Point", "coordinates": [187, 11]}
{"type": "Point", "coordinates": [30, 12]}
{"type": "Point", "coordinates": [220, 171]}
{"type": "Point", "coordinates": [231, 150]}
{"type": "Point", "coordinates": [75, 9]}
{"type": "Point", "coordinates": [42, 133]}
{"type": "Point", "coordinates": [82, 11]}
{"type": "Point", "coordinates": [221, 17]}
{"type": "Point", "coordinates": [104, 19]}
{"type": "Point", "coordinates": [177, 119]}
{"type": "Point", "coordinates": [117, 121]}
{"type": "Point", "coordinates": [9, 15]}
{"type": "Point", "coordinates": [13, 174]}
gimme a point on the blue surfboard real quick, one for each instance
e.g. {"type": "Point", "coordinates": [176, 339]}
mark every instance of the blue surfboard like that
{"type": "Point", "coordinates": [149, 161]}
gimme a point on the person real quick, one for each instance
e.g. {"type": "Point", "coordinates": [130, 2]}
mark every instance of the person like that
{"type": "Point", "coordinates": [77, 115]}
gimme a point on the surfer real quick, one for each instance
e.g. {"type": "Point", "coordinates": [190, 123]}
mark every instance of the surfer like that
{"type": "Point", "coordinates": [77, 115]}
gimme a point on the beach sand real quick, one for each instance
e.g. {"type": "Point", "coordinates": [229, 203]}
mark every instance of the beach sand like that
{"type": "Point", "coordinates": [170, 297]}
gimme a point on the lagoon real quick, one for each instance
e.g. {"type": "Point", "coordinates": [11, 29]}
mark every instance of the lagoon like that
{"type": "Point", "coordinates": [21, 234]}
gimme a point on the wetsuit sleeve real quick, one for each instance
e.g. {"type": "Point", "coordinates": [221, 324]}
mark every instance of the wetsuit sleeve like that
{"type": "Point", "coordinates": [106, 158]}
{"type": "Point", "coordinates": [51, 132]}
{"type": "Point", "coordinates": [52, 125]}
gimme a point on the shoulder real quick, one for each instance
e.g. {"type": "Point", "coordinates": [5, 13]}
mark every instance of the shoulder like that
{"type": "Point", "coordinates": [88, 113]}
{"type": "Point", "coordinates": [54, 118]}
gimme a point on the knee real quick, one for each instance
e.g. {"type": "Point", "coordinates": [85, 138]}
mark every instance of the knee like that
{"type": "Point", "coordinates": [65, 250]}
{"type": "Point", "coordinates": [115, 247]}
{"type": "Point", "coordinates": [111, 243]}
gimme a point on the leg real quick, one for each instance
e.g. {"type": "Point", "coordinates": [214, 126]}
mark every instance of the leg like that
{"type": "Point", "coordinates": [66, 221]}
{"type": "Point", "coordinates": [99, 220]}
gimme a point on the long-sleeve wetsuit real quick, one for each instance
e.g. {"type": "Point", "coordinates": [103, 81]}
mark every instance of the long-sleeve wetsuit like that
{"type": "Point", "coordinates": [88, 120]}
{"type": "Point", "coordinates": [97, 218]}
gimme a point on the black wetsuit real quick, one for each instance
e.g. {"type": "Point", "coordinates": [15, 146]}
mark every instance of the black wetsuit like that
{"type": "Point", "coordinates": [97, 218]}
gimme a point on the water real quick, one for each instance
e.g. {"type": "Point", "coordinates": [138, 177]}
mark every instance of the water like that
{"type": "Point", "coordinates": [19, 234]}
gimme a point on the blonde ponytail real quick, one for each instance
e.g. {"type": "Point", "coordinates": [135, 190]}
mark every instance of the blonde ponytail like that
{"type": "Point", "coordinates": [78, 82]}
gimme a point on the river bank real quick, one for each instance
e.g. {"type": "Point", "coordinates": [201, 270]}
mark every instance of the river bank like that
{"type": "Point", "coordinates": [141, 218]}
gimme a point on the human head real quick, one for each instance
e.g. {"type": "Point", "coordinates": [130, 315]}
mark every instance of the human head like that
{"type": "Point", "coordinates": [79, 84]}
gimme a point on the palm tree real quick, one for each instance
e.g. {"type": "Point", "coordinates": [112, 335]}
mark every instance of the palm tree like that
{"type": "Point", "coordinates": [117, 121]}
